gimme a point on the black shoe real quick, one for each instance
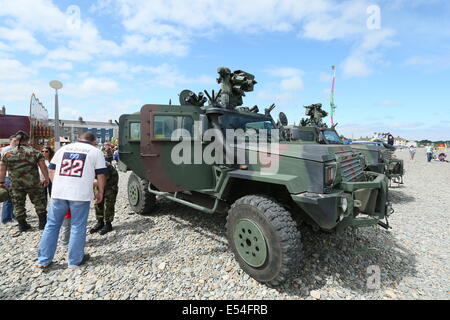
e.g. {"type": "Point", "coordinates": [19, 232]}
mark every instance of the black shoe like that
{"type": "Point", "coordinates": [100, 224]}
{"type": "Point", "coordinates": [23, 226]}
{"type": "Point", "coordinates": [107, 228]}
{"type": "Point", "coordinates": [42, 222]}
{"type": "Point", "coordinates": [86, 257]}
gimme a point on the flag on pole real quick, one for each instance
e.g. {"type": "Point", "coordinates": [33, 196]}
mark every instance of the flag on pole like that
{"type": "Point", "coordinates": [332, 106]}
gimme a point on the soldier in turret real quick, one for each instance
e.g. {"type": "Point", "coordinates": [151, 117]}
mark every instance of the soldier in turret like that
{"type": "Point", "coordinates": [22, 162]}
{"type": "Point", "coordinates": [104, 211]}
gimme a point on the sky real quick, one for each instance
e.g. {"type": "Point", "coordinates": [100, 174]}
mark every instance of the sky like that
{"type": "Point", "coordinates": [392, 57]}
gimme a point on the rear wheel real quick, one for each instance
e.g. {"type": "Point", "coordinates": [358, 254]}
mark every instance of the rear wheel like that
{"type": "Point", "coordinates": [140, 200]}
{"type": "Point", "coordinates": [264, 239]}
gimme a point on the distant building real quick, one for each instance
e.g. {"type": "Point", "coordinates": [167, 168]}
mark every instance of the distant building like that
{"type": "Point", "coordinates": [400, 142]}
{"type": "Point", "coordinates": [412, 143]}
{"type": "Point", "coordinates": [72, 129]}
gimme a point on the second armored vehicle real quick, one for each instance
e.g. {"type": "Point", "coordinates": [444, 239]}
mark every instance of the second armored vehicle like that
{"type": "Point", "coordinates": [378, 156]}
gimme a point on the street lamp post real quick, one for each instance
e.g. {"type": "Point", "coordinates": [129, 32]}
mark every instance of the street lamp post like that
{"type": "Point", "coordinates": [55, 84]}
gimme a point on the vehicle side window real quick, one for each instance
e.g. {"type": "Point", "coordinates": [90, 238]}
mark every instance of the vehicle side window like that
{"type": "Point", "coordinates": [135, 131]}
{"type": "Point", "coordinates": [187, 123]}
{"type": "Point", "coordinates": [164, 126]}
{"type": "Point", "coordinates": [306, 135]}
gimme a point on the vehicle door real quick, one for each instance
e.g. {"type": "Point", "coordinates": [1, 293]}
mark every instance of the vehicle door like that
{"type": "Point", "coordinates": [173, 161]}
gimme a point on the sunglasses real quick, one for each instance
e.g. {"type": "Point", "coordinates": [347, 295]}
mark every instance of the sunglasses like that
{"type": "Point", "coordinates": [45, 151]}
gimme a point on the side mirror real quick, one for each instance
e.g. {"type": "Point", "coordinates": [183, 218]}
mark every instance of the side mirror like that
{"type": "Point", "coordinates": [282, 118]}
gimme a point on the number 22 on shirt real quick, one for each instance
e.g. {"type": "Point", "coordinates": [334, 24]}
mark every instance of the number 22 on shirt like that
{"type": "Point", "coordinates": [72, 164]}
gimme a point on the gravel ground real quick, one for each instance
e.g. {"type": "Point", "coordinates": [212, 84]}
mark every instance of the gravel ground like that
{"type": "Point", "coordinates": [180, 253]}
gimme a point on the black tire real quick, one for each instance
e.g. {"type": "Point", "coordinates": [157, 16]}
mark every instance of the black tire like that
{"type": "Point", "coordinates": [280, 232]}
{"type": "Point", "coordinates": [141, 201]}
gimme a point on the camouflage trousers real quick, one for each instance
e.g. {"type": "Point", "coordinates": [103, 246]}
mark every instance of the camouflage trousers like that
{"type": "Point", "coordinates": [105, 210]}
{"type": "Point", "coordinates": [19, 196]}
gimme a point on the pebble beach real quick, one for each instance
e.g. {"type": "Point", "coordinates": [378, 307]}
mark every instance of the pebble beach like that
{"type": "Point", "coordinates": [180, 253]}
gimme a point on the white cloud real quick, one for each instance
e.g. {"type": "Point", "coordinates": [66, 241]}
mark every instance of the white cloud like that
{"type": "Point", "coordinates": [56, 65]}
{"type": "Point", "coordinates": [21, 39]}
{"type": "Point", "coordinates": [91, 87]}
{"type": "Point", "coordinates": [179, 18]}
{"type": "Point", "coordinates": [338, 21]}
{"type": "Point", "coordinates": [161, 27]}
{"type": "Point", "coordinates": [284, 72]}
{"type": "Point", "coordinates": [20, 91]}
{"type": "Point", "coordinates": [414, 60]}
{"type": "Point", "coordinates": [291, 78]}
{"type": "Point", "coordinates": [356, 66]}
{"type": "Point", "coordinates": [364, 56]}
{"type": "Point", "coordinates": [78, 40]}
{"type": "Point", "coordinates": [13, 69]}
{"type": "Point", "coordinates": [69, 113]}
{"type": "Point", "coordinates": [113, 67]}
{"type": "Point", "coordinates": [325, 77]}
{"type": "Point", "coordinates": [154, 45]}
{"type": "Point", "coordinates": [163, 75]}
{"type": "Point", "coordinates": [292, 84]}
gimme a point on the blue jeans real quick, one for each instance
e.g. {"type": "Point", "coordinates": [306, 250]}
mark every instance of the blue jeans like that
{"type": "Point", "coordinates": [429, 156]}
{"type": "Point", "coordinates": [55, 218]}
{"type": "Point", "coordinates": [7, 210]}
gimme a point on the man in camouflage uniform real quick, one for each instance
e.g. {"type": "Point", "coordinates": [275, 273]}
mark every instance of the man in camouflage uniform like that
{"type": "Point", "coordinates": [104, 211]}
{"type": "Point", "coordinates": [22, 162]}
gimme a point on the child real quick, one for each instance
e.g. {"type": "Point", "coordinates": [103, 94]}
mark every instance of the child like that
{"type": "Point", "coordinates": [65, 235]}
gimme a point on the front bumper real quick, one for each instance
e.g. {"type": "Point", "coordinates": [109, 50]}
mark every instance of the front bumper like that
{"type": "Point", "coordinates": [341, 207]}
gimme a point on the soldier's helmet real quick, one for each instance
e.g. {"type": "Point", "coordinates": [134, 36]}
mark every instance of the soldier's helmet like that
{"type": "Point", "coordinates": [22, 136]}
{"type": "Point", "coordinates": [109, 154]}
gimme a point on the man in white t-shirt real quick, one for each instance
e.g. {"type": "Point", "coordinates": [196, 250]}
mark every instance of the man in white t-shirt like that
{"type": "Point", "coordinates": [72, 171]}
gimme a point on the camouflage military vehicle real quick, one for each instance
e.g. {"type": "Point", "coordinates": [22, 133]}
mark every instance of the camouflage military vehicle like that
{"type": "Point", "coordinates": [323, 185]}
{"type": "Point", "coordinates": [378, 156]}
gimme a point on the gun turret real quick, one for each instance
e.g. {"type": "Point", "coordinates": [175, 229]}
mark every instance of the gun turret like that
{"type": "Point", "coordinates": [268, 110]}
{"type": "Point", "coordinates": [254, 109]}
{"type": "Point", "coordinates": [234, 86]}
{"type": "Point", "coordinates": [315, 113]}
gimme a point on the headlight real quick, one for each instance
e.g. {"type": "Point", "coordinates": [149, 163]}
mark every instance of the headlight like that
{"type": "Point", "coordinates": [329, 174]}
{"type": "Point", "coordinates": [344, 204]}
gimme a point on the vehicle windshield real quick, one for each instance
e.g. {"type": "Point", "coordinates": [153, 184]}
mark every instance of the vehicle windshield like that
{"type": "Point", "coordinates": [240, 121]}
{"type": "Point", "coordinates": [306, 136]}
{"type": "Point", "coordinates": [332, 137]}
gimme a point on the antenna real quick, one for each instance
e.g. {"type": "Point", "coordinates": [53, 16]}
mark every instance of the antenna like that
{"type": "Point", "coordinates": [332, 105]}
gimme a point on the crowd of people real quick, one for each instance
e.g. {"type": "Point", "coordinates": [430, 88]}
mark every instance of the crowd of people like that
{"type": "Point", "coordinates": [71, 177]}
{"type": "Point", "coordinates": [429, 152]}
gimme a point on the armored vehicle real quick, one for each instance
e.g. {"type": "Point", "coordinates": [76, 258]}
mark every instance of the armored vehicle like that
{"type": "Point", "coordinates": [265, 194]}
{"type": "Point", "coordinates": [378, 156]}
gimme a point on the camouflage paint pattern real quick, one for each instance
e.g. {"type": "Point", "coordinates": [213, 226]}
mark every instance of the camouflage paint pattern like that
{"type": "Point", "coordinates": [37, 197]}
{"type": "Point", "coordinates": [105, 209]}
{"type": "Point", "coordinates": [22, 164]}
{"type": "Point", "coordinates": [301, 171]}
{"type": "Point", "coordinates": [4, 194]}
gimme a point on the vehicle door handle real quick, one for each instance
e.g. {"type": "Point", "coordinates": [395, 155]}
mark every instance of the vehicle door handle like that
{"type": "Point", "coordinates": [149, 155]}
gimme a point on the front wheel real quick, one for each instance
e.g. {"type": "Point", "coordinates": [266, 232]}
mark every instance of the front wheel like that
{"type": "Point", "coordinates": [140, 200]}
{"type": "Point", "coordinates": [264, 239]}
